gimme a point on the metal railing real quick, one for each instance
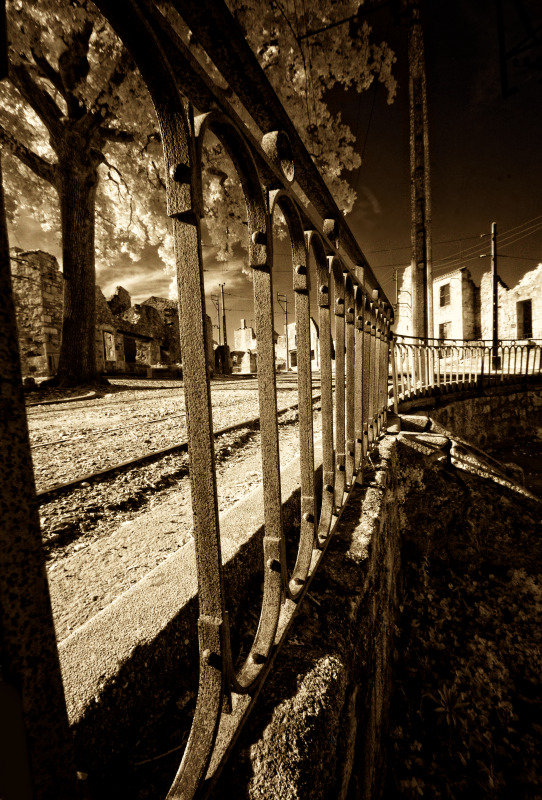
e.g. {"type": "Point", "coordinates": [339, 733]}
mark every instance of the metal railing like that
{"type": "Point", "coordinates": [351, 306]}
{"type": "Point", "coordinates": [424, 367]}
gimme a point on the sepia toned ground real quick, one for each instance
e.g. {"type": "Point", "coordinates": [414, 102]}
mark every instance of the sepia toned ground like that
{"type": "Point", "coordinates": [104, 536]}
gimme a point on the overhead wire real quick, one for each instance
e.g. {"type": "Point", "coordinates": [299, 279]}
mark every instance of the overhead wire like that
{"type": "Point", "coordinates": [503, 239]}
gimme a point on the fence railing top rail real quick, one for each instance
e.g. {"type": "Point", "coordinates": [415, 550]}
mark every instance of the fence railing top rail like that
{"type": "Point", "coordinates": [406, 339]}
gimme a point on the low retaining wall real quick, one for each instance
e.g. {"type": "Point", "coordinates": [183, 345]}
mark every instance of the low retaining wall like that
{"type": "Point", "coordinates": [319, 726]}
{"type": "Point", "coordinates": [501, 413]}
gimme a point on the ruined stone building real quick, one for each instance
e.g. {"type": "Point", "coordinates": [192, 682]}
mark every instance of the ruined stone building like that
{"type": "Point", "coordinates": [245, 349]}
{"type": "Point", "coordinates": [520, 307]}
{"type": "Point", "coordinates": [38, 292]}
{"type": "Point", "coordinates": [462, 310]}
{"type": "Point", "coordinates": [128, 338]}
{"type": "Point", "coordinates": [292, 346]}
{"type": "Point", "coordinates": [456, 306]}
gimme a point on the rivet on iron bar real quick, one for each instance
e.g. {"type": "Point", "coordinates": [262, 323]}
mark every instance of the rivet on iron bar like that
{"type": "Point", "coordinates": [328, 488]}
{"type": "Point", "coordinates": [359, 441]}
{"type": "Point", "coordinates": [341, 467]}
{"type": "Point", "coordinates": [212, 659]}
{"type": "Point", "coordinates": [339, 301]}
{"type": "Point", "coordinates": [180, 173]}
{"type": "Point", "coordinates": [259, 237]}
{"type": "Point", "coordinates": [298, 581]}
{"type": "Point", "coordinates": [308, 517]}
{"type": "Point", "coordinates": [301, 270]}
{"type": "Point", "coordinates": [350, 310]}
{"type": "Point", "coordinates": [257, 658]}
{"type": "Point", "coordinates": [323, 289]}
{"type": "Point", "coordinates": [273, 564]}
{"type": "Point", "coordinates": [351, 453]}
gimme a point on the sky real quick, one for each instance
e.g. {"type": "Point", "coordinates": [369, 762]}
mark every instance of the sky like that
{"type": "Point", "coordinates": [485, 157]}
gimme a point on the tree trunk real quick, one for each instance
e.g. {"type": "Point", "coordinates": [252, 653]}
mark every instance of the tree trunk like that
{"type": "Point", "coordinates": [77, 179]}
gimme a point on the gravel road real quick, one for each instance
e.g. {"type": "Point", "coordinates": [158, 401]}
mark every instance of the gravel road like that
{"type": "Point", "coordinates": [94, 551]}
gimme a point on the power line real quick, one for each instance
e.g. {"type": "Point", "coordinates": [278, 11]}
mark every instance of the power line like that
{"type": "Point", "coordinates": [458, 256]}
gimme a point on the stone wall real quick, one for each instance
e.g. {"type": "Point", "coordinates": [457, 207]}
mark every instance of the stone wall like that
{"type": "Point", "coordinates": [461, 314]}
{"type": "Point", "coordinates": [109, 343]}
{"type": "Point", "coordinates": [510, 320]}
{"type": "Point", "coordinates": [169, 311]}
{"type": "Point", "coordinates": [498, 416]}
{"type": "Point", "coordinates": [38, 296]}
{"type": "Point", "coordinates": [449, 315]}
{"type": "Point", "coordinates": [244, 338]}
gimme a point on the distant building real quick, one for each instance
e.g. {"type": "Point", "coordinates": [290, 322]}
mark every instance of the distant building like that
{"type": "Point", "coordinates": [38, 291]}
{"type": "Point", "coordinates": [462, 310]}
{"type": "Point", "coordinates": [456, 306]}
{"type": "Point", "coordinates": [244, 355]}
{"type": "Point", "coordinates": [280, 349]}
{"type": "Point", "coordinates": [244, 338]}
{"type": "Point", "coordinates": [520, 308]}
{"type": "Point", "coordinates": [128, 338]}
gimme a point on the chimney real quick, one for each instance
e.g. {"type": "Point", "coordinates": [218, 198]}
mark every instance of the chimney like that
{"type": "Point", "coordinates": [243, 324]}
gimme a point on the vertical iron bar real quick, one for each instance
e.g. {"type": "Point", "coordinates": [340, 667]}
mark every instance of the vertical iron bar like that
{"type": "Point", "coordinates": [372, 374]}
{"type": "Point", "coordinates": [31, 687]}
{"type": "Point", "coordinates": [350, 386]}
{"type": "Point", "coordinates": [340, 428]}
{"type": "Point", "coordinates": [326, 380]}
{"type": "Point", "coordinates": [366, 372]}
{"type": "Point", "coordinates": [304, 389]}
{"type": "Point", "coordinates": [187, 241]}
{"type": "Point", "coordinates": [358, 382]}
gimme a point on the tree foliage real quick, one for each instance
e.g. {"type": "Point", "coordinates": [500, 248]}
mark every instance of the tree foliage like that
{"type": "Point", "coordinates": [70, 75]}
{"type": "Point", "coordinates": [84, 152]}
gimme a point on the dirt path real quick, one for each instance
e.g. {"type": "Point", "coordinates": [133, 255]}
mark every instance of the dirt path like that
{"type": "Point", "coordinates": [90, 574]}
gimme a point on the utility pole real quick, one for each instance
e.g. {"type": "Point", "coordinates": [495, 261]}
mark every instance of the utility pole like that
{"type": "Point", "coordinates": [216, 303]}
{"type": "Point", "coordinates": [224, 335]}
{"type": "Point", "coordinates": [283, 299]}
{"type": "Point", "coordinates": [420, 189]}
{"type": "Point", "coordinates": [496, 361]}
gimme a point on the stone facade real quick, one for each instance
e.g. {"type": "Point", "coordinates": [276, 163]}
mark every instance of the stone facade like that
{"type": "Point", "coordinates": [456, 306]}
{"type": "Point", "coordinates": [244, 338]}
{"type": "Point", "coordinates": [245, 348]}
{"type": "Point", "coordinates": [244, 355]}
{"type": "Point", "coordinates": [109, 343]}
{"type": "Point", "coordinates": [280, 350]}
{"type": "Point", "coordinates": [128, 338]}
{"type": "Point", "coordinates": [38, 294]}
{"type": "Point", "coordinates": [520, 308]}
{"type": "Point", "coordinates": [462, 310]}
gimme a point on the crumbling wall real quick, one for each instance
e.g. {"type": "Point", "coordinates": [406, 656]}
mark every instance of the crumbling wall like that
{"type": "Point", "coordinates": [510, 325]}
{"type": "Point", "coordinates": [38, 296]}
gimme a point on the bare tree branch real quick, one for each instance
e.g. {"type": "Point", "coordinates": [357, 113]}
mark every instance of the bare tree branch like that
{"type": "Point", "coordinates": [116, 135]}
{"type": "Point", "coordinates": [47, 70]}
{"type": "Point", "coordinates": [39, 166]}
{"type": "Point", "coordinates": [40, 100]}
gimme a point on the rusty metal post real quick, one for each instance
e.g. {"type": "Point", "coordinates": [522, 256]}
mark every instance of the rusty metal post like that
{"type": "Point", "coordinates": [31, 690]}
{"type": "Point", "coordinates": [350, 390]}
{"type": "Point", "coordinates": [358, 381]}
{"type": "Point", "coordinates": [340, 410]}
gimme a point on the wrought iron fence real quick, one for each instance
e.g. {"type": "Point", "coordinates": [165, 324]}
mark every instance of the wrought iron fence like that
{"type": "Point", "coordinates": [423, 367]}
{"type": "Point", "coordinates": [351, 305]}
